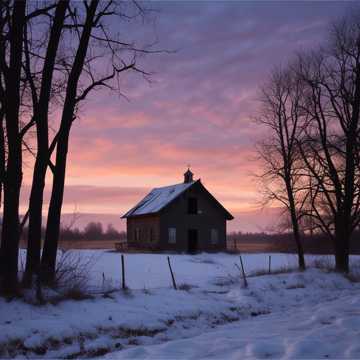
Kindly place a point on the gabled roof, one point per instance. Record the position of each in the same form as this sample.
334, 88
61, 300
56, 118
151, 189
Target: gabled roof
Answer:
159, 198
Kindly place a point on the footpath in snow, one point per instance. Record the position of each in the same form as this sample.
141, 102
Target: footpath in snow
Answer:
291, 315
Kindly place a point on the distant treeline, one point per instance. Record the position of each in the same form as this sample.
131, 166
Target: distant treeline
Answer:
315, 243
92, 231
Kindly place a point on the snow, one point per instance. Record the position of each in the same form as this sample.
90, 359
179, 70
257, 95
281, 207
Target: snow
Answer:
151, 270
316, 331
326, 326
158, 198
311, 314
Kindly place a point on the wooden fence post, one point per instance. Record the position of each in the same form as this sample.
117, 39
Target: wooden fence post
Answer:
269, 264
172, 274
123, 271
243, 272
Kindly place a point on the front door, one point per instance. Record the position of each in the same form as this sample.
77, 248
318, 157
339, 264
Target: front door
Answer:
192, 240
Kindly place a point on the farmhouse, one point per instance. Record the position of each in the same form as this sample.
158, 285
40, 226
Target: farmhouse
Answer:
181, 217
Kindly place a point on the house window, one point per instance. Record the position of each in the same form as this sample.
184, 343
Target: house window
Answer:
137, 234
214, 236
192, 206
172, 235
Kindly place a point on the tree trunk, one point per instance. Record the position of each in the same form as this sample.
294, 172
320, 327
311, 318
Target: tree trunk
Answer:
2, 156
343, 223
295, 223
300, 249
35, 222
2, 105
341, 242
342, 255
48, 260
12, 182
42, 156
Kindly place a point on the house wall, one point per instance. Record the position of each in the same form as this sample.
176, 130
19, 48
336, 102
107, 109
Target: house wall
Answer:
209, 216
143, 232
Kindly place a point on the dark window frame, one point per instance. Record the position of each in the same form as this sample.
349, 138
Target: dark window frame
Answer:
192, 208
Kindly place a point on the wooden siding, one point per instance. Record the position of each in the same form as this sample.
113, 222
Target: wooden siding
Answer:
209, 217
144, 232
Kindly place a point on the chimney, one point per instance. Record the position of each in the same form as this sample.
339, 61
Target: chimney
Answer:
188, 176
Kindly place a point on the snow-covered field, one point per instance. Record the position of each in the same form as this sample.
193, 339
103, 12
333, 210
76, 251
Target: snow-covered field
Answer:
313, 314
152, 271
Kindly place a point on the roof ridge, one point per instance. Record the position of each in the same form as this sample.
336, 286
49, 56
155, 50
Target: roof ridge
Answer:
182, 183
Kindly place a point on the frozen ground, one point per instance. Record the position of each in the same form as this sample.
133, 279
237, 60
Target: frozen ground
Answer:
295, 315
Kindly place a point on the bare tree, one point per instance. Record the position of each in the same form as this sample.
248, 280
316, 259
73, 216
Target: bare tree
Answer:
41, 111
281, 179
93, 40
17, 112
64, 61
11, 65
331, 77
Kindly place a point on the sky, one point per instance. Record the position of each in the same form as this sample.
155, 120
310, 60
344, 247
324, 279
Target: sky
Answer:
198, 108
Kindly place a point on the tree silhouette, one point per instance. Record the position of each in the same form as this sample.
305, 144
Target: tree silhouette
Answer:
281, 180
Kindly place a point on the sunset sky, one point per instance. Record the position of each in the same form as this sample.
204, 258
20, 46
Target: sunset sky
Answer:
197, 109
